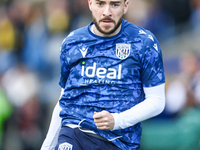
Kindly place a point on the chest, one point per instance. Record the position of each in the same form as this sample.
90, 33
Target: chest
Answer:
101, 63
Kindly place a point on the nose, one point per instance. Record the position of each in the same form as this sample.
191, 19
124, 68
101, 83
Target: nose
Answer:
107, 11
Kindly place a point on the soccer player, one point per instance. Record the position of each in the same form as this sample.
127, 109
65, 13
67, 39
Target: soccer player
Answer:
112, 78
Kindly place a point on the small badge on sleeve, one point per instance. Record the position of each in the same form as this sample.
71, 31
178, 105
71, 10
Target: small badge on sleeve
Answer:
65, 146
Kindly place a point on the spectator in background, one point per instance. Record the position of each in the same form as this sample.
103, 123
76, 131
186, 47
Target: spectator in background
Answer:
165, 18
5, 112
181, 130
80, 15
195, 17
160, 21
7, 41
23, 131
183, 92
23, 31
35, 36
58, 20
180, 11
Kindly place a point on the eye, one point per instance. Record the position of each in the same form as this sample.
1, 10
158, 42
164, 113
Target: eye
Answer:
115, 4
99, 3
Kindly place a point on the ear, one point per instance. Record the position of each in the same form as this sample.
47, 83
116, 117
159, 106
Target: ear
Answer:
90, 4
126, 6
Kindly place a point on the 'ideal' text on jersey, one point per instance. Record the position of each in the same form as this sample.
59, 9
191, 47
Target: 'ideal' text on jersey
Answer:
91, 71
110, 73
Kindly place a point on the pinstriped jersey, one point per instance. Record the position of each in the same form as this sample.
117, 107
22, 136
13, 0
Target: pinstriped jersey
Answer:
108, 73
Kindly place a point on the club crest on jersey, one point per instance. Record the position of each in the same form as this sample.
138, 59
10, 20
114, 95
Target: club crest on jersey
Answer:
65, 146
123, 50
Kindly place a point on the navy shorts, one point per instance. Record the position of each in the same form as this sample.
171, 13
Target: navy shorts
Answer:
75, 139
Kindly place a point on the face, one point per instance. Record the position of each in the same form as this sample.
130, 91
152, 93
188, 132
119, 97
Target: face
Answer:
107, 15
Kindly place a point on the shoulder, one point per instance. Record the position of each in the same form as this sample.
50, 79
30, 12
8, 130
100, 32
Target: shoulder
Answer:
74, 37
138, 32
144, 36
76, 34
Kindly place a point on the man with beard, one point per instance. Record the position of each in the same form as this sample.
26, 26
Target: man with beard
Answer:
112, 78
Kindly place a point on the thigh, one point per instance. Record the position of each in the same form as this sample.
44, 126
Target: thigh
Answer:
67, 140
74, 139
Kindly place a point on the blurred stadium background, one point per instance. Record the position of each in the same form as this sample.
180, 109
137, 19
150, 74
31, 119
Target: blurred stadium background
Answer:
31, 32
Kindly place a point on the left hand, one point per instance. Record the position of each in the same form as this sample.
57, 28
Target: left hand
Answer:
104, 120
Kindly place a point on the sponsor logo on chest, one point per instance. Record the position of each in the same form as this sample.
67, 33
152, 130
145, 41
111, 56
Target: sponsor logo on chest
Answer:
110, 73
100, 75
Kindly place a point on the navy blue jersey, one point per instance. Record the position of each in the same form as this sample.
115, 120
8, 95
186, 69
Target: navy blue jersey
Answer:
108, 73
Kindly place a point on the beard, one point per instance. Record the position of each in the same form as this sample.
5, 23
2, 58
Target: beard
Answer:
107, 19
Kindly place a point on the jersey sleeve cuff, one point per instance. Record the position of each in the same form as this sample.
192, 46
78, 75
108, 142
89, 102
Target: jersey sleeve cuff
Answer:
116, 118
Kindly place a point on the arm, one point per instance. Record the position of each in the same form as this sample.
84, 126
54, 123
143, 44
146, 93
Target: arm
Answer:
153, 105
54, 128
